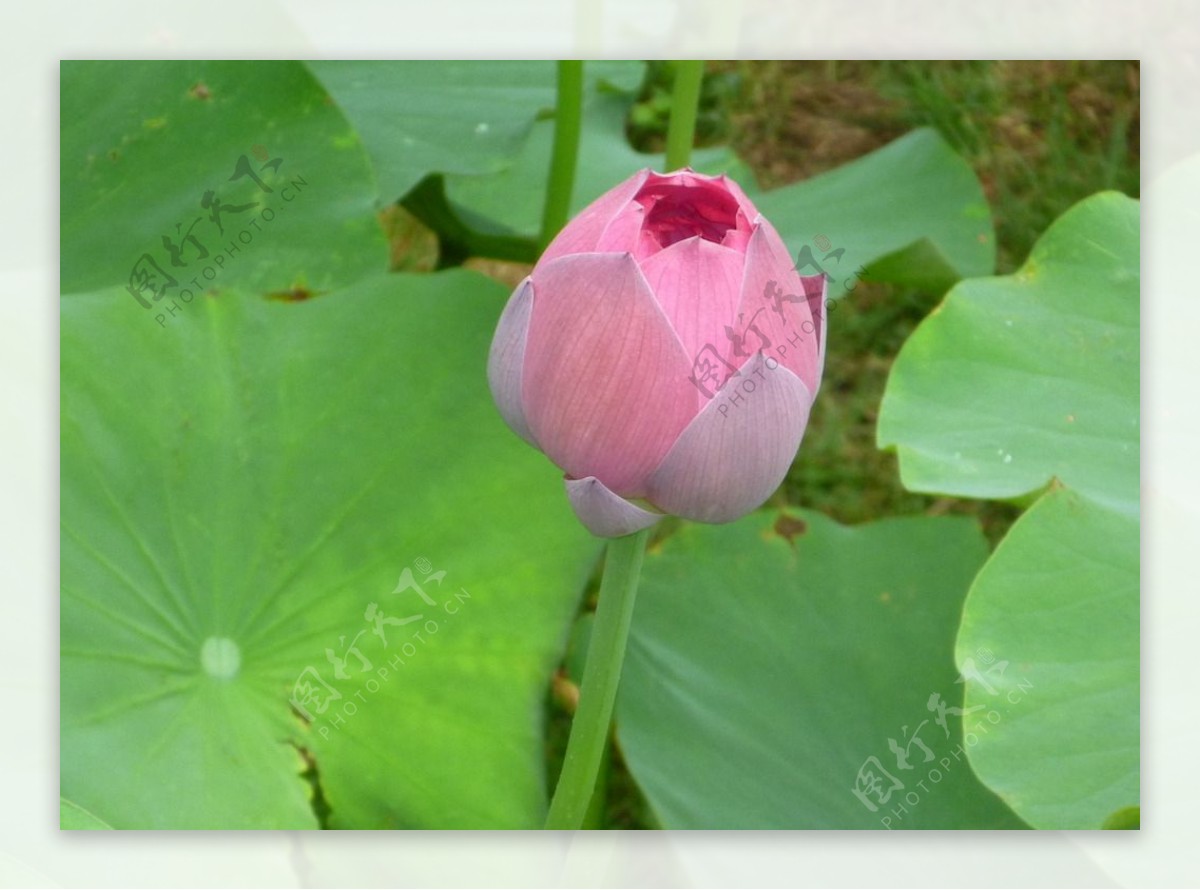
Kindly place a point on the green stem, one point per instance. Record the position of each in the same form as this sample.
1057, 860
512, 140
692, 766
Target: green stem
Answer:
685, 97
568, 121
598, 692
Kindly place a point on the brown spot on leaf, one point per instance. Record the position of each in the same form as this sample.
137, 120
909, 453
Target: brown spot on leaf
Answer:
790, 527
296, 294
200, 91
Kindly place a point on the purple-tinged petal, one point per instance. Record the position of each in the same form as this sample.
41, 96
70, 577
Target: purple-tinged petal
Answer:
582, 234
606, 381
738, 449
698, 284
774, 301
605, 514
506, 361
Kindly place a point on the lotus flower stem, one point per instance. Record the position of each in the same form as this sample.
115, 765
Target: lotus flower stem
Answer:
685, 97
684, 209
568, 122
598, 692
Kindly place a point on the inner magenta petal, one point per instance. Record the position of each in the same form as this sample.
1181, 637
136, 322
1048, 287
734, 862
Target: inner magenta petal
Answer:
686, 206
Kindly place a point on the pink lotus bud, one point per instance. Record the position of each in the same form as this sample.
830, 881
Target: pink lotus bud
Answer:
663, 351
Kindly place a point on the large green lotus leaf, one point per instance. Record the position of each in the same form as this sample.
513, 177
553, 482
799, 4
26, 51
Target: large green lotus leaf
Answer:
1016, 383
247, 498
464, 117
767, 679
1026, 377
144, 144
72, 817
1053, 704
512, 201
912, 213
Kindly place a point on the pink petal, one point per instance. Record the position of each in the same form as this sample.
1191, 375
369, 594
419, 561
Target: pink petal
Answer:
738, 449
605, 514
698, 284
738, 238
506, 360
776, 308
624, 231
582, 234
606, 389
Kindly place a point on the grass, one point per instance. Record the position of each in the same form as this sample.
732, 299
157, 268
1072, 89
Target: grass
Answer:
1040, 135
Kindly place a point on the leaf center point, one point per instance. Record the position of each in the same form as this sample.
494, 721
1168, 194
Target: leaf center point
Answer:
220, 657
